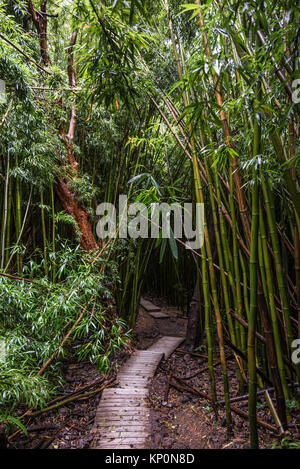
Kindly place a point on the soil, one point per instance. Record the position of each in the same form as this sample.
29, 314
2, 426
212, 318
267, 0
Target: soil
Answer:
182, 420
179, 419
69, 426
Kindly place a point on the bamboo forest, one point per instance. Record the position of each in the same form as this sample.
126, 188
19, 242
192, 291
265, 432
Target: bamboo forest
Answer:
149, 226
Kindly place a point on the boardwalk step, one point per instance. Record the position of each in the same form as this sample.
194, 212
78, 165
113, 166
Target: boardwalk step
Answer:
159, 315
119, 392
148, 306
166, 345
122, 418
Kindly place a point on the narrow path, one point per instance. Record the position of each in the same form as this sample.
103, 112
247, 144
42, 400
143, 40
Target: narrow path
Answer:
122, 418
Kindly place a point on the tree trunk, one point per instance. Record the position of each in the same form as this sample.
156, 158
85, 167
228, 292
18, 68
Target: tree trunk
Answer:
78, 212
193, 328
39, 19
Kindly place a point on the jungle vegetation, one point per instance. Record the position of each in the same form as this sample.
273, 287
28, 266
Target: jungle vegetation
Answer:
164, 101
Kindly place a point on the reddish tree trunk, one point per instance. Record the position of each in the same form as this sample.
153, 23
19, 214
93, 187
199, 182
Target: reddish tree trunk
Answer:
39, 19
78, 212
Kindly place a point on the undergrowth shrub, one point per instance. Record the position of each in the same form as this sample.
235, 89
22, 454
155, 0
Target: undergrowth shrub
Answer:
35, 317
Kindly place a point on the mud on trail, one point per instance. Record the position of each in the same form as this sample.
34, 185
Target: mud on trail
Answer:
179, 419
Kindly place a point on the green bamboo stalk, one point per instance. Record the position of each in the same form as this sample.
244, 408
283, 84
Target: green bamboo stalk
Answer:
18, 221
44, 234
53, 233
4, 223
270, 210
271, 302
8, 228
253, 290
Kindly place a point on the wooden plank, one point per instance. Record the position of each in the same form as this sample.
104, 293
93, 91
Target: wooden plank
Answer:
121, 410
148, 306
138, 366
128, 385
124, 384
159, 315
116, 412
125, 440
122, 434
123, 398
140, 363
115, 431
135, 374
122, 402
119, 417
119, 392
122, 416
167, 345
119, 402
139, 371
138, 379
143, 363
112, 446
120, 446
144, 359
124, 426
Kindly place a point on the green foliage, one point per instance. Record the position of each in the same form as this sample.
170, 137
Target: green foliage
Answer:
260, 405
286, 443
22, 386
35, 317
293, 404
12, 423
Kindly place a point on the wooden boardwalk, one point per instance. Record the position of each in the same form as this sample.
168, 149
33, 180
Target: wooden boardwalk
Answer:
152, 309
148, 306
122, 418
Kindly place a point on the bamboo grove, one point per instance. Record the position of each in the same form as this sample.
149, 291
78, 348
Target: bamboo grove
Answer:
166, 102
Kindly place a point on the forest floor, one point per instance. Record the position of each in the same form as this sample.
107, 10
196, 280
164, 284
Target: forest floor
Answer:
69, 426
179, 419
